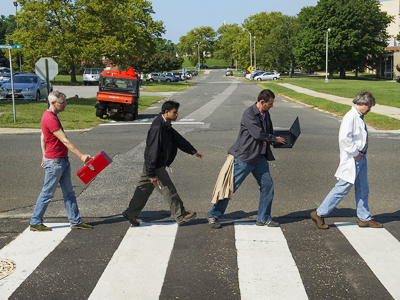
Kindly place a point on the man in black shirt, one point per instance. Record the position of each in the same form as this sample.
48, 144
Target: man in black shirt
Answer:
162, 145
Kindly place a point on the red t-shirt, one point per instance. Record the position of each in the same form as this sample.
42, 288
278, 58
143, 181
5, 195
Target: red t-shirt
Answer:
54, 147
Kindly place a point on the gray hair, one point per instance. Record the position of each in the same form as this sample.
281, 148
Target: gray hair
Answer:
56, 96
364, 98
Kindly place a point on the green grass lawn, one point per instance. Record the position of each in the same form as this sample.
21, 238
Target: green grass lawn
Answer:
66, 80
374, 120
79, 113
155, 86
385, 92
210, 62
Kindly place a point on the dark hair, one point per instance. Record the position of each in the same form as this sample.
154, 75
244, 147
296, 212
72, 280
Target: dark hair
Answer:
265, 95
169, 105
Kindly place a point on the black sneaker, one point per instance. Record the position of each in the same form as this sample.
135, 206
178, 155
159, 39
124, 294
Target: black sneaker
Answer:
132, 220
187, 216
213, 222
269, 224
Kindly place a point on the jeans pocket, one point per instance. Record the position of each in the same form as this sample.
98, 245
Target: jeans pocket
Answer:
52, 166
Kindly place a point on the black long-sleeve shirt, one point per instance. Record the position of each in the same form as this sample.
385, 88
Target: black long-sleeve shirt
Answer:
162, 145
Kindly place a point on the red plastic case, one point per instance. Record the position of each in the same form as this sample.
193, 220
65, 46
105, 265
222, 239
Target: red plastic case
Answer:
94, 167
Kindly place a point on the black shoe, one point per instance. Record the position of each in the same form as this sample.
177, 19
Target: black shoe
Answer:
132, 220
214, 224
186, 217
269, 224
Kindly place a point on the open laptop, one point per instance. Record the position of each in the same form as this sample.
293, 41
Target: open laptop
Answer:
290, 135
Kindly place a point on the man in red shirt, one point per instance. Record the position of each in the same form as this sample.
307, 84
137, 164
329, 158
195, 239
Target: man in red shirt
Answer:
55, 146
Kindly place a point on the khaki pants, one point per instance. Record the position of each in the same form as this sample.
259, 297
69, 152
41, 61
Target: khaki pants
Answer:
144, 189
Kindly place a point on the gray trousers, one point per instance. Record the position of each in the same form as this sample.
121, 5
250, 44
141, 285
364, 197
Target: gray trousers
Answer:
144, 189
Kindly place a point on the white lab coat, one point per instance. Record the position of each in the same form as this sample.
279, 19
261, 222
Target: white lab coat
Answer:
352, 139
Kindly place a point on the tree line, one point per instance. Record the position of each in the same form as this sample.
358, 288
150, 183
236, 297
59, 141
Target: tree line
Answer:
357, 38
91, 32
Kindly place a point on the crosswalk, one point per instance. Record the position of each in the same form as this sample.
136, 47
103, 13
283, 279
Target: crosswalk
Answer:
137, 268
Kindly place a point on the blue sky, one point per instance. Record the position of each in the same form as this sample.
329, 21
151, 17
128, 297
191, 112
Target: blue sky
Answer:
180, 16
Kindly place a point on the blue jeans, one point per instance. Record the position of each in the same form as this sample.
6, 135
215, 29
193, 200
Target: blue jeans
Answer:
342, 188
58, 170
264, 180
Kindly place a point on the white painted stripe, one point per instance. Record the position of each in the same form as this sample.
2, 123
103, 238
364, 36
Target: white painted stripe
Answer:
267, 269
380, 250
137, 268
208, 108
149, 123
27, 251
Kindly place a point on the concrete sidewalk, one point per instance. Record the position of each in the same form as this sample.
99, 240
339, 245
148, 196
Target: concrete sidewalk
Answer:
389, 111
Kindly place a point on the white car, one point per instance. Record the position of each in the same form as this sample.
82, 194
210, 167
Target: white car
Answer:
91, 75
268, 76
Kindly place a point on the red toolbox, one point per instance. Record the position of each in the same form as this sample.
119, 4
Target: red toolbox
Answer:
94, 167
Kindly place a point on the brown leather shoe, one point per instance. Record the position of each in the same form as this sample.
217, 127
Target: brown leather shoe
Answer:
318, 220
370, 223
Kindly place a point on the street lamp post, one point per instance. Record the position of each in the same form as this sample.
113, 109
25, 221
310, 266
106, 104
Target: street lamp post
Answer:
255, 61
16, 10
251, 60
198, 52
326, 69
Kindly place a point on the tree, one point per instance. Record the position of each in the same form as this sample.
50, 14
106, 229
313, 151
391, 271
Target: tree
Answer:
162, 45
204, 35
279, 45
261, 26
160, 62
7, 27
358, 34
226, 46
4, 62
86, 31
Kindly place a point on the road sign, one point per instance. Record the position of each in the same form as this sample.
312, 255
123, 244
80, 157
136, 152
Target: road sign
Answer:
40, 68
10, 46
184, 70
250, 69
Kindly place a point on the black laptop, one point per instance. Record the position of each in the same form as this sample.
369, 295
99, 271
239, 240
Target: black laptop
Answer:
290, 135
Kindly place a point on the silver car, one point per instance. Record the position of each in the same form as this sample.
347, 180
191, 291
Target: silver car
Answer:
160, 77
26, 86
268, 76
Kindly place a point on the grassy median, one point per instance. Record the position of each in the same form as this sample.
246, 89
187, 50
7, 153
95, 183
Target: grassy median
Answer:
383, 91
79, 113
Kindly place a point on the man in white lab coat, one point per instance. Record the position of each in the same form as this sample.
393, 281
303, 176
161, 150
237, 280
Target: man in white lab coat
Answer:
353, 144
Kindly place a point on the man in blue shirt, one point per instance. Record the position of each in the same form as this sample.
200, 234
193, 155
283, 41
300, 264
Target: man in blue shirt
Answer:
252, 153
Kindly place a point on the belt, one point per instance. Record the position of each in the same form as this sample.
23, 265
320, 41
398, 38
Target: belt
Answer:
363, 152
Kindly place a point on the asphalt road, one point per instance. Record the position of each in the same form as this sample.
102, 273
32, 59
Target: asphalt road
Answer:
201, 262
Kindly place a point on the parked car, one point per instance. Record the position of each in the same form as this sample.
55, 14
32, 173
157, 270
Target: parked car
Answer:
247, 75
268, 76
91, 75
193, 73
5, 77
202, 66
228, 73
398, 79
174, 74
256, 73
160, 77
26, 86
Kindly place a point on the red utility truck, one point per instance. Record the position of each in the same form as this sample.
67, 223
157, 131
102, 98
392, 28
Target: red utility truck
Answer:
118, 94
